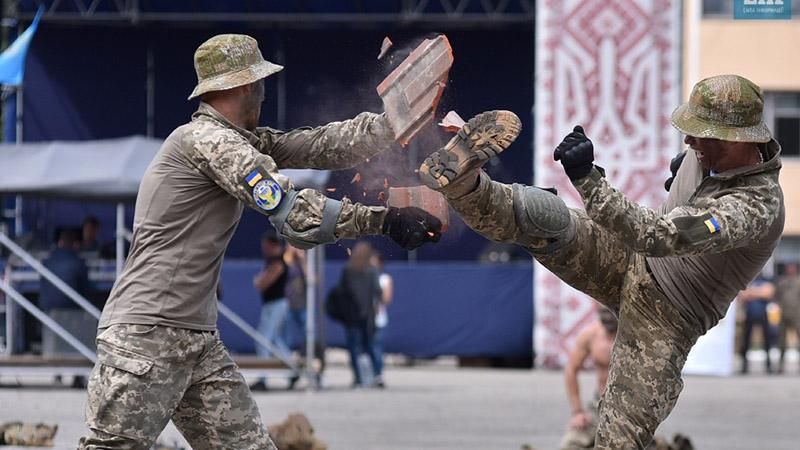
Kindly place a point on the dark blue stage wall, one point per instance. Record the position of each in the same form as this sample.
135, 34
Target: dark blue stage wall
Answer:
439, 309
89, 82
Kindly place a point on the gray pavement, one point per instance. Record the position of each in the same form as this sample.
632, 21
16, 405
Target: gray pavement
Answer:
447, 408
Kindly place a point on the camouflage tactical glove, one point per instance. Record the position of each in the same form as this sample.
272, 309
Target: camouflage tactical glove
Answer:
411, 227
576, 154
674, 165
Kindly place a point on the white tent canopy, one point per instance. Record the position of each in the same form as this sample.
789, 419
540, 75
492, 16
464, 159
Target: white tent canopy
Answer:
108, 169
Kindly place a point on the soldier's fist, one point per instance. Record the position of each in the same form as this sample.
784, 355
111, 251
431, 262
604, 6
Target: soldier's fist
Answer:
576, 154
674, 165
411, 227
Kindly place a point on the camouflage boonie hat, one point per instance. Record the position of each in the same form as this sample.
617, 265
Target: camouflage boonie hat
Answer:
725, 107
227, 61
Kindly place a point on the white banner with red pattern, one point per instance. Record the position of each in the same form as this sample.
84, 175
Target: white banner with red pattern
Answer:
612, 66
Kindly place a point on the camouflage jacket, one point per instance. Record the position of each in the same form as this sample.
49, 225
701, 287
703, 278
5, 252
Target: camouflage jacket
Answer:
710, 238
192, 196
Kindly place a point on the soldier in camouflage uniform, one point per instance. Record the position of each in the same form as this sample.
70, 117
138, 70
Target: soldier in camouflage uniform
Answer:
159, 355
668, 273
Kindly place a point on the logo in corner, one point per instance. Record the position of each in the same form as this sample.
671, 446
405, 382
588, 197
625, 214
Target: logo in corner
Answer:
267, 194
762, 9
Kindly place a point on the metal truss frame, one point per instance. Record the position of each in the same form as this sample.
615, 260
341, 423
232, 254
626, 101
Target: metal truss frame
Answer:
442, 13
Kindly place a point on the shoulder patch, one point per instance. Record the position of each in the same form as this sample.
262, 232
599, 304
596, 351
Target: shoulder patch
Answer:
697, 229
267, 194
712, 225
254, 177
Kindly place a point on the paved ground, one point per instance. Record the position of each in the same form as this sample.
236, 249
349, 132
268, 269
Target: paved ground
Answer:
447, 408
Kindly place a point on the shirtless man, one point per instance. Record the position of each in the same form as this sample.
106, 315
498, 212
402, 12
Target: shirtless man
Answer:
594, 343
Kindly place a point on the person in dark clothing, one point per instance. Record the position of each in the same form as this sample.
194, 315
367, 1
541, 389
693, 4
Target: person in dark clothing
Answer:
361, 286
755, 300
90, 235
67, 265
271, 285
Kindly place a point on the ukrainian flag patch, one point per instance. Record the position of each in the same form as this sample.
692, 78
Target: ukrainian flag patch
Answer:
712, 225
254, 177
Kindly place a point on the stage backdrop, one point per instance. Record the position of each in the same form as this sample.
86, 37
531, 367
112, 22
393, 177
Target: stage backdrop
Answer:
612, 66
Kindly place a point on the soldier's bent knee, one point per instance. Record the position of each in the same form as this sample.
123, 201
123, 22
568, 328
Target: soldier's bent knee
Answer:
541, 214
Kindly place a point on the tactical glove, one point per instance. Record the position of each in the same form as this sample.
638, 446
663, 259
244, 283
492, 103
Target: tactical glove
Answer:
411, 227
674, 165
576, 154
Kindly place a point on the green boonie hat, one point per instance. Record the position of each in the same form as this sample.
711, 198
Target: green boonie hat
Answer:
725, 107
227, 61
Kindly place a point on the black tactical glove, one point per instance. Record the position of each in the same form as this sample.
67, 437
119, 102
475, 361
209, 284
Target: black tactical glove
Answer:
411, 227
576, 154
674, 165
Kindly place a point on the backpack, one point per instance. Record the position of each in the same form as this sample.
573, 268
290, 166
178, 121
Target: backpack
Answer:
335, 303
342, 305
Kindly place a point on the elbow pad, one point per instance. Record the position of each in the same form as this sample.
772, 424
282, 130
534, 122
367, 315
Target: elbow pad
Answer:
323, 234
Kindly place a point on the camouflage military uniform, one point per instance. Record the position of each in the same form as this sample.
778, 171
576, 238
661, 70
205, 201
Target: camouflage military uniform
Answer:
668, 274
159, 353
788, 297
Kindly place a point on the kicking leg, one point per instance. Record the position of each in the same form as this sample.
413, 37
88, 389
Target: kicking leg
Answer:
565, 241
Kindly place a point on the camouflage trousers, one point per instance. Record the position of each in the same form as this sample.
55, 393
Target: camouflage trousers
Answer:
146, 375
653, 339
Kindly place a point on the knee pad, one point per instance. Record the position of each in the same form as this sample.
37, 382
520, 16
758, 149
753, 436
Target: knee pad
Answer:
540, 213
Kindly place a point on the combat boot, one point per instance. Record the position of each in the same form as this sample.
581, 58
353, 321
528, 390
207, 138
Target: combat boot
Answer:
453, 169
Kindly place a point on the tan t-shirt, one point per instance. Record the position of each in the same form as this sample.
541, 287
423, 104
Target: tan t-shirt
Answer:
191, 199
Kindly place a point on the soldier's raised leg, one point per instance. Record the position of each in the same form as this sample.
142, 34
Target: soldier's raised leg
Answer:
564, 240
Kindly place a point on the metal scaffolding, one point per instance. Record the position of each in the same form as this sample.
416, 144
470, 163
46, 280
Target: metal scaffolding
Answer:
296, 14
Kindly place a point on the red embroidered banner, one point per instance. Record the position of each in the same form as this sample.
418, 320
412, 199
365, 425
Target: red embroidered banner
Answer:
612, 66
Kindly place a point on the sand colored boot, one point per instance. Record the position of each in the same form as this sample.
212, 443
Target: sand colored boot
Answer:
453, 169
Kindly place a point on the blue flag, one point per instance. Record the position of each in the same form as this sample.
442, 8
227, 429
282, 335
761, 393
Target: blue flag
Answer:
12, 61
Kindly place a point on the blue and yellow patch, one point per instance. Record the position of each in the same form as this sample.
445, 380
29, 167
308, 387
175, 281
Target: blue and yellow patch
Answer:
254, 177
267, 194
712, 225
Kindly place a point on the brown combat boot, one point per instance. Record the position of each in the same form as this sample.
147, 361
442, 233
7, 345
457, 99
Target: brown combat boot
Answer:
453, 169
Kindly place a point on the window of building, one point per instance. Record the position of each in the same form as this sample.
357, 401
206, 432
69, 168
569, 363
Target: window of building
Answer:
782, 114
715, 8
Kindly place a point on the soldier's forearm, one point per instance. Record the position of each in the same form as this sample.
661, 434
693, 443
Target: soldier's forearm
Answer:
573, 391
358, 220
308, 222
641, 228
337, 145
